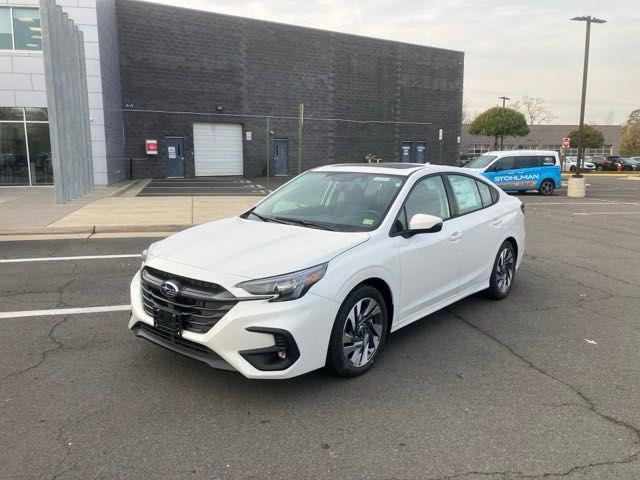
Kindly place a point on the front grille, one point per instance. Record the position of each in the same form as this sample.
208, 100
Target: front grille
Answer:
180, 345
199, 304
179, 342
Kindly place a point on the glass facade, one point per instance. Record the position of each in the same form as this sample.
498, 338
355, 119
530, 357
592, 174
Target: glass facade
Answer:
20, 29
25, 149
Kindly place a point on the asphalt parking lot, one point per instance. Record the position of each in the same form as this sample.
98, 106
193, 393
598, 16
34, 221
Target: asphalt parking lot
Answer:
544, 384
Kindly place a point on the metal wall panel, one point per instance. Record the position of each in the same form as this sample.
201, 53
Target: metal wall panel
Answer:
67, 99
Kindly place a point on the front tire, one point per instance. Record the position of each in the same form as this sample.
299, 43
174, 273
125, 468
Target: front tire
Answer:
503, 273
547, 187
359, 332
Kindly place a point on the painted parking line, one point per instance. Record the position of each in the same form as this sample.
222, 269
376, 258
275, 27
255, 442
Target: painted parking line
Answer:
606, 213
63, 259
65, 311
568, 204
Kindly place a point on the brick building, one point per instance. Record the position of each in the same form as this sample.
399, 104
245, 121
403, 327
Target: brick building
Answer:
221, 94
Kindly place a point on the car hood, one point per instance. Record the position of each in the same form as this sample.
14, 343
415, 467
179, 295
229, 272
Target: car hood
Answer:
254, 249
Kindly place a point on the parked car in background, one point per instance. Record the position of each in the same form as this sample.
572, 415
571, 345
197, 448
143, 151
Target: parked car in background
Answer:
629, 164
570, 164
608, 162
520, 170
322, 270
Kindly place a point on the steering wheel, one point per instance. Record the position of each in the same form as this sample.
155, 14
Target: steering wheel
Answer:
371, 214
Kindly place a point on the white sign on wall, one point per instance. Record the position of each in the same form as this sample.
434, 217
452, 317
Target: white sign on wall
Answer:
171, 150
248, 136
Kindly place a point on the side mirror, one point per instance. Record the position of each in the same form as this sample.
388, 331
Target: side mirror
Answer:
422, 223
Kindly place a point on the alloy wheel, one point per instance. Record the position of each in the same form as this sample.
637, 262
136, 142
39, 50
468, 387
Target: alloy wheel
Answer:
362, 332
505, 269
546, 188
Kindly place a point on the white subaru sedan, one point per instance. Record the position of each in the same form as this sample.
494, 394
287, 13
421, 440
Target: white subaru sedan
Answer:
322, 270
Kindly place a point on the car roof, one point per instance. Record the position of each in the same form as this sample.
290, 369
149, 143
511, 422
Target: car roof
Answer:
521, 152
389, 168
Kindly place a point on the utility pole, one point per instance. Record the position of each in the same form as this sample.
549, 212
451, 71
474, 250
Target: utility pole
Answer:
300, 123
589, 19
504, 103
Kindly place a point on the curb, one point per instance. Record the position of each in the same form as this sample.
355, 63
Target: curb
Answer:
90, 230
139, 228
610, 175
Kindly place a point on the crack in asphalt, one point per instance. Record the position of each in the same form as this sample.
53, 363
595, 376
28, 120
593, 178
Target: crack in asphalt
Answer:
588, 403
67, 448
43, 355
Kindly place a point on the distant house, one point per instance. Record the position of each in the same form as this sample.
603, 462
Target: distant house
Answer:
541, 137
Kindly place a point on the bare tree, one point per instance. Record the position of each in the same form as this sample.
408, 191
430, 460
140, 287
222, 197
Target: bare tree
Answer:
467, 115
534, 110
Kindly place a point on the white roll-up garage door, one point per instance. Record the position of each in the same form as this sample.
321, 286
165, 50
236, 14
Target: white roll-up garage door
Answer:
217, 148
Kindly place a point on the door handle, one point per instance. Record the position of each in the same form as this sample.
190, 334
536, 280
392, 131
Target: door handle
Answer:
455, 237
497, 223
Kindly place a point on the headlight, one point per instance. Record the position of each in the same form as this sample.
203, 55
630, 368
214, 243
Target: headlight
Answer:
286, 287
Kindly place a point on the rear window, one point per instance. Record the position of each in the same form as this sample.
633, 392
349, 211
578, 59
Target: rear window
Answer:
466, 193
485, 193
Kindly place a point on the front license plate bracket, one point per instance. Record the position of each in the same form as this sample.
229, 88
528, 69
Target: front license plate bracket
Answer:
167, 321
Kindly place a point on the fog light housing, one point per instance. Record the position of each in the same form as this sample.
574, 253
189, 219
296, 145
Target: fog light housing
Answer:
282, 355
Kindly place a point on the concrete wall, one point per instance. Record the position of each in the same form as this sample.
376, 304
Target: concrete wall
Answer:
181, 60
66, 81
22, 72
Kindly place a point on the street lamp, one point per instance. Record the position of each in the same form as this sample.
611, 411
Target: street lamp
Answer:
504, 102
589, 19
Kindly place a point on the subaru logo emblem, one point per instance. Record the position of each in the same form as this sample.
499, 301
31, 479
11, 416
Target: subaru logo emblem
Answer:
170, 288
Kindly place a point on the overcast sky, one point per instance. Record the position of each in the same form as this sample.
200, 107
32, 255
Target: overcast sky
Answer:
511, 48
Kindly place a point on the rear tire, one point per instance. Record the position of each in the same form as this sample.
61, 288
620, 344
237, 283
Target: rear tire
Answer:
359, 332
572, 169
547, 187
503, 273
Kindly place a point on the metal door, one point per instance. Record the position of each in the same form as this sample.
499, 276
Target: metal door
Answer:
175, 156
421, 152
405, 152
281, 156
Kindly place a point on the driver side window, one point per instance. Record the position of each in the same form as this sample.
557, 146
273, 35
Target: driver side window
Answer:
427, 197
504, 163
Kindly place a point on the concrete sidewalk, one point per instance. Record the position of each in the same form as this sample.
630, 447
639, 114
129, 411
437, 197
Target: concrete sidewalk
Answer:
121, 214
35, 207
33, 211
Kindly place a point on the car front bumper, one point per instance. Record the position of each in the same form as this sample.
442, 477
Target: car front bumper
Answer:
248, 332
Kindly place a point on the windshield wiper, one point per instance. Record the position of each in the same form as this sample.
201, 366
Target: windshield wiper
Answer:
265, 218
304, 223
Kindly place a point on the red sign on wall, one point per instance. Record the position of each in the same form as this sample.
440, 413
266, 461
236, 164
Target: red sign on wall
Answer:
151, 147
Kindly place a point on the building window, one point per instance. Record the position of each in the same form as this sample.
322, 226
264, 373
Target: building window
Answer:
20, 29
478, 149
25, 148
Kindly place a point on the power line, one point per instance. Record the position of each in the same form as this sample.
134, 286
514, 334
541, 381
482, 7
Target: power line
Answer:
280, 117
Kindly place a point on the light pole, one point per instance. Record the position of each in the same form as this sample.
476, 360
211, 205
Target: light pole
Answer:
504, 102
589, 19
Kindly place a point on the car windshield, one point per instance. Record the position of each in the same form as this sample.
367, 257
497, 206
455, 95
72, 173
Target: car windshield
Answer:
341, 201
481, 161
